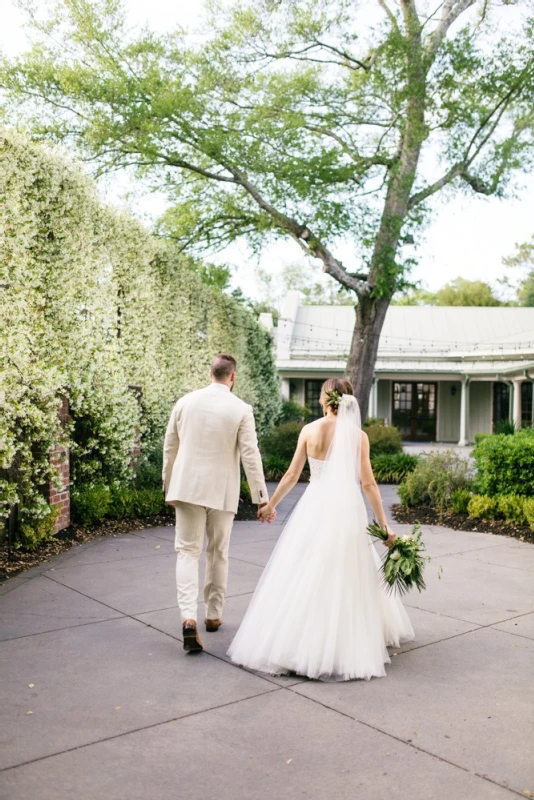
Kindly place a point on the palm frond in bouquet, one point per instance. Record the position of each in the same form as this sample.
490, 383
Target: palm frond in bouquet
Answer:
404, 564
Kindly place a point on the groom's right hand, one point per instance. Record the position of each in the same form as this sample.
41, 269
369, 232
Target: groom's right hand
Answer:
263, 515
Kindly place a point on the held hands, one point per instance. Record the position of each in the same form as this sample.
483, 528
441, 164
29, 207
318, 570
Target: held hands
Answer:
266, 512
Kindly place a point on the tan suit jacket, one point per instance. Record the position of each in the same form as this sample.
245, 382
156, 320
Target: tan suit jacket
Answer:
209, 430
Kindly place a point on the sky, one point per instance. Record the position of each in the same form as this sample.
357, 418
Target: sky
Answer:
467, 235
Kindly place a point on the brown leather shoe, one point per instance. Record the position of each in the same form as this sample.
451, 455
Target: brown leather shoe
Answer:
213, 625
192, 643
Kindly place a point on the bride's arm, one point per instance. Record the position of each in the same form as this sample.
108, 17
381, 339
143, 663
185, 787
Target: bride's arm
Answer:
372, 492
290, 478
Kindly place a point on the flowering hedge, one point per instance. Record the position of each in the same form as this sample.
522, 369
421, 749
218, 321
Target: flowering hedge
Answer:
92, 305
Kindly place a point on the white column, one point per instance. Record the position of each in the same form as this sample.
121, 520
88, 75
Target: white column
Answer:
285, 388
374, 398
517, 402
464, 412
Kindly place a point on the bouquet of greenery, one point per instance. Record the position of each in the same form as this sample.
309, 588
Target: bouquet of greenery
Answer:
404, 564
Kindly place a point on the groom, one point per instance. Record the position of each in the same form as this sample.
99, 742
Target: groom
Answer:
209, 430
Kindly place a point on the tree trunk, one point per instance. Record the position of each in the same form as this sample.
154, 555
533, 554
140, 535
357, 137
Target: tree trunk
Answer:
370, 315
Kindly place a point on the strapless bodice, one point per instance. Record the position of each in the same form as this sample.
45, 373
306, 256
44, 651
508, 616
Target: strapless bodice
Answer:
316, 467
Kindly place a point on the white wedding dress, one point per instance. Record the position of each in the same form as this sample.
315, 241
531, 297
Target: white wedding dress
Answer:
320, 608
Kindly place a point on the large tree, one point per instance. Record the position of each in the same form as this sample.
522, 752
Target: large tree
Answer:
523, 259
327, 121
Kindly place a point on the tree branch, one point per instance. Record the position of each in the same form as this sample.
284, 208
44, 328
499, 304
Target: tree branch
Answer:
450, 12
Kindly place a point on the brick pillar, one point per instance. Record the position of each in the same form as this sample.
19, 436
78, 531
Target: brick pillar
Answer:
59, 496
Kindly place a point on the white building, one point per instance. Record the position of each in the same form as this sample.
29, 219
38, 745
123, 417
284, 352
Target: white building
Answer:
442, 374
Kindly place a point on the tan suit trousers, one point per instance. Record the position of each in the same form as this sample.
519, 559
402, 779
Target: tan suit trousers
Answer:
192, 522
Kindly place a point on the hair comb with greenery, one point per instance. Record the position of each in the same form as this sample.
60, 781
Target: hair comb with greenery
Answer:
333, 398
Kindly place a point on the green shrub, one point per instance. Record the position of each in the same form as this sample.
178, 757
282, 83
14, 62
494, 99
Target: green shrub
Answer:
528, 511
434, 480
460, 500
483, 507
92, 504
122, 502
505, 464
148, 473
281, 441
33, 533
245, 489
383, 439
505, 427
293, 412
275, 466
511, 508
150, 503
480, 436
89, 504
373, 421
392, 468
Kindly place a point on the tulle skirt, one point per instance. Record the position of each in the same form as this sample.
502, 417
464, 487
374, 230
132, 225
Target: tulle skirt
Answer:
320, 609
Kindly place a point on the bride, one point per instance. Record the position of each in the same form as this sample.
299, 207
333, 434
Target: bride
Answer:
320, 608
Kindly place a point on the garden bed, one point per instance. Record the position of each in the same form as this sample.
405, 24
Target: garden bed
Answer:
22, 560
427, 515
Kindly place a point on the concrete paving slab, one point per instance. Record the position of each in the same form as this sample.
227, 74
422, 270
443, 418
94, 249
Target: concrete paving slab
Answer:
275, 746
253, 552
40, 605
446, 541
135, 585
506, 555
474, 591
13, 583
101, 680
430, 628
521, 626
116, 548
163, 532
464, 700
216, 644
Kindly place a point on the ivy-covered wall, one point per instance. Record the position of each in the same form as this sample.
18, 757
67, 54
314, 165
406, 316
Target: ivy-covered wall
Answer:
91, 304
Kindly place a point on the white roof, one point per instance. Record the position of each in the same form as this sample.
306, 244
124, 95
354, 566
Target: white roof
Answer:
414, 338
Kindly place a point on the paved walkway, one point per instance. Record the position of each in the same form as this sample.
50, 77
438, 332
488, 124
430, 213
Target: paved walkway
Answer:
99, 702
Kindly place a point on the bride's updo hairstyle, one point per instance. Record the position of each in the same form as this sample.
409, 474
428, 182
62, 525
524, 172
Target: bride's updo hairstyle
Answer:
331, 392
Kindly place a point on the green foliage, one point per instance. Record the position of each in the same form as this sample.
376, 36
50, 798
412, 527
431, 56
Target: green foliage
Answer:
94, 306
484, 507
34, 533
281, 441
149, 468
461, 292
89, 504
383, 439
460, 501
505, 464
245, 149
510, 506
434, 480
275, 466
392, 468
293, 412
505, 427
528, 511
93, 504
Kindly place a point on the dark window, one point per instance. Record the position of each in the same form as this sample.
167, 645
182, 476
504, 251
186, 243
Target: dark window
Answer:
313, 392
414, 410
526, 404
501, 402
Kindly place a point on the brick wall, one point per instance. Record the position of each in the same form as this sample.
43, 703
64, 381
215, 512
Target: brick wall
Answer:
59, 496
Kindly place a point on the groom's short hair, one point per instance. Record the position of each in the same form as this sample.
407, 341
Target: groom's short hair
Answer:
222, 366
